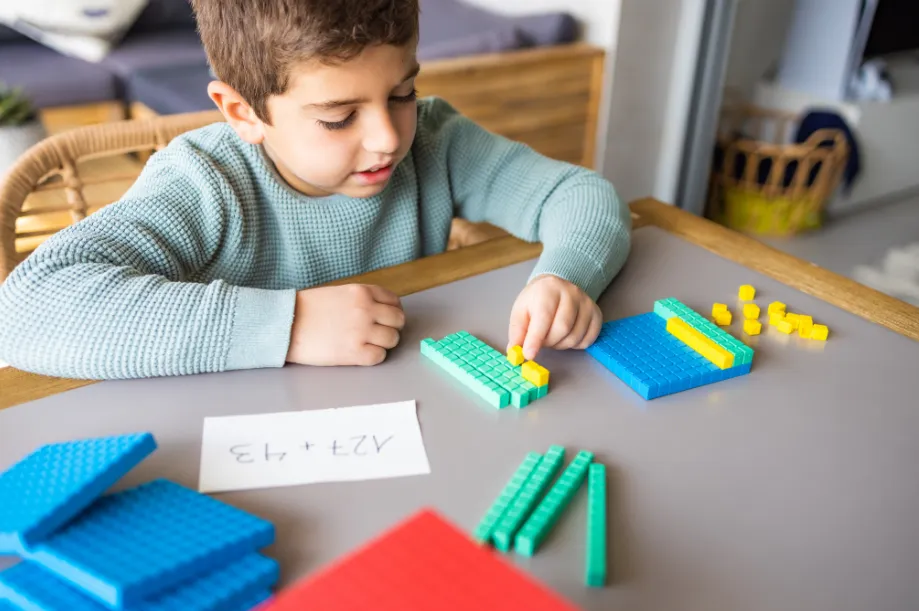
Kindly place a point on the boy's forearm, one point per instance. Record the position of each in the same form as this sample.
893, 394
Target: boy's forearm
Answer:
101, 322
586, 233
584, 227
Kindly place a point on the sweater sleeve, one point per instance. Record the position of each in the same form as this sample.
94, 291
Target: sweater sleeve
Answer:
117, 295
584, 227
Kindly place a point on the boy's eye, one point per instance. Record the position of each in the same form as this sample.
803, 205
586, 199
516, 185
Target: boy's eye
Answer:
411, 97
334, 125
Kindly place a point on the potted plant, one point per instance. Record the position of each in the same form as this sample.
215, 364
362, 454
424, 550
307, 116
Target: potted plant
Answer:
20, 128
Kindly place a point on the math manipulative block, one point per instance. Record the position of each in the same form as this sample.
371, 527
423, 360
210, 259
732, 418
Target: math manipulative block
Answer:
30, 586
57, 481
139, 542
494, 514
485, 371
424, 564
534, 373
751, 311
520, 508
752, 327
705, 346
552, 505
820, 332
595, 565
654, 363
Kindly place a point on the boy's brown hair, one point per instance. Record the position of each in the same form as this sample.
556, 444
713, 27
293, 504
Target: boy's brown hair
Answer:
252, 45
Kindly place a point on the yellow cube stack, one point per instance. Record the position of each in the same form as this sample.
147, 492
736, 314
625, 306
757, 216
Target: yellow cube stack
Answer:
789, 322
721, 314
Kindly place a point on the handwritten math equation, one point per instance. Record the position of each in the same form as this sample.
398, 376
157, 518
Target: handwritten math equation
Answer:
353, 446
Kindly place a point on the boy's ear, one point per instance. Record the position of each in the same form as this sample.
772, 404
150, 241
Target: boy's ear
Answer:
237, 112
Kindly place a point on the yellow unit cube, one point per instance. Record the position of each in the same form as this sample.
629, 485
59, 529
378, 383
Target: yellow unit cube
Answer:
819, 332
776, 306
719, 307
751, 311
752, 327
515, 355
746, 293
723, 318
785, 327
776, 317
805, 324
534, 373
793, 319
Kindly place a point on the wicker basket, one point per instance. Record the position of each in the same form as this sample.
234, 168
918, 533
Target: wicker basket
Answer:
765, 184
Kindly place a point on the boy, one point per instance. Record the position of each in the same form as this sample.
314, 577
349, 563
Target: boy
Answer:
326, 166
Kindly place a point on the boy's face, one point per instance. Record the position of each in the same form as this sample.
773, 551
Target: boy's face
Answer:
343, 128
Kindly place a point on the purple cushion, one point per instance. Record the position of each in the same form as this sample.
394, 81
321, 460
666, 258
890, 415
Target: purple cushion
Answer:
151, 50
171, 90
547, 29
451, 28
52, 79
165, 15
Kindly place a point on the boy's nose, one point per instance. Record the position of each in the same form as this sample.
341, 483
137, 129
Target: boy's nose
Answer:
382, 137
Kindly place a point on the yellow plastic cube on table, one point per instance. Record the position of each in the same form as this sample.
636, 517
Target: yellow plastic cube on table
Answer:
819, 332
776, 306
805, 324
515, 355
723, 318
717, 308
746, 293
535, 374
785, 327
751, 311
776, 317
752, 327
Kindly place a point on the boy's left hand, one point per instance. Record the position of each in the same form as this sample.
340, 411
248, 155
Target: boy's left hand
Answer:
553, 313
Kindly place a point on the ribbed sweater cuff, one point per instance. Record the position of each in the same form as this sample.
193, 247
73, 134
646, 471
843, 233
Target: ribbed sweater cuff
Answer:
261, 328
575, 267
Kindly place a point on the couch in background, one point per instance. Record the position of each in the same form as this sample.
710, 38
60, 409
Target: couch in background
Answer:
161, 66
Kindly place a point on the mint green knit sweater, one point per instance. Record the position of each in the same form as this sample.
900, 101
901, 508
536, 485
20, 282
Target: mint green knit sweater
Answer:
195, 269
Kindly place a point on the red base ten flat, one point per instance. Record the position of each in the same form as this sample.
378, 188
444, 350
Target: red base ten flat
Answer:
422, 563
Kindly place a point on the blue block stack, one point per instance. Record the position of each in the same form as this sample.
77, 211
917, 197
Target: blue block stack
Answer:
157, 547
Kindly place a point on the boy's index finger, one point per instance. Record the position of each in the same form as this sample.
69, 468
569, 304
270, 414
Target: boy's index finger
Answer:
536, 333
517, 328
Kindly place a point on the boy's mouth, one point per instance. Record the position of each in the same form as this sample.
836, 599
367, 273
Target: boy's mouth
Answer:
376, 174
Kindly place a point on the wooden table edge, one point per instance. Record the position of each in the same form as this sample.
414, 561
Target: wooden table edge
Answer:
807, 277
429, 272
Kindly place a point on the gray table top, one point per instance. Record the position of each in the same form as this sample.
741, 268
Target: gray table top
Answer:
789, 488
